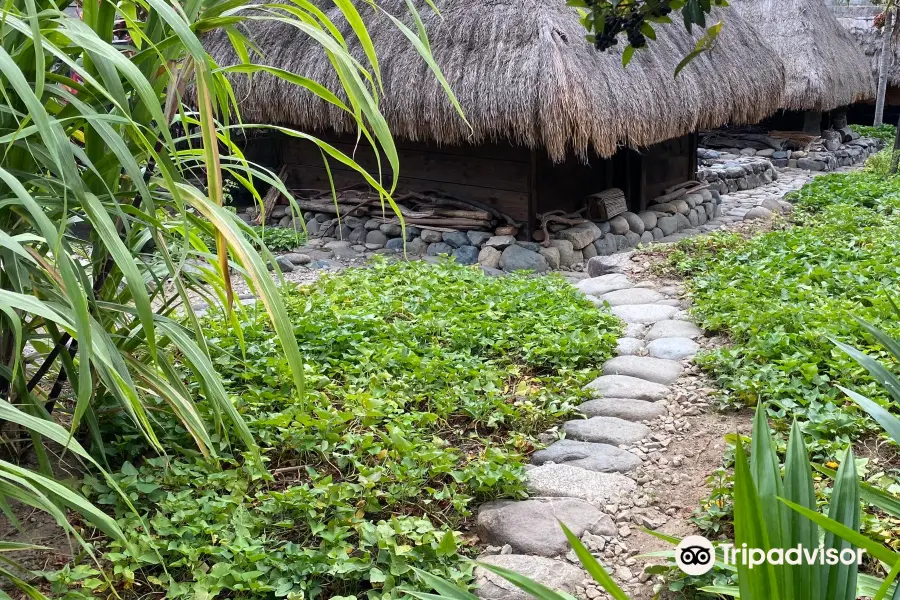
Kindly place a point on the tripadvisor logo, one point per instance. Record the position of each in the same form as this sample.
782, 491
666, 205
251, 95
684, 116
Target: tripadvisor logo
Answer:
695, 555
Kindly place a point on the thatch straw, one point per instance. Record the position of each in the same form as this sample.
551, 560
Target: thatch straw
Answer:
825, 67
858, 20
524, 73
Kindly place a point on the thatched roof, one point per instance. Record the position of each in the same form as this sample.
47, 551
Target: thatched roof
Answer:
858, 20
825, 67
523, 72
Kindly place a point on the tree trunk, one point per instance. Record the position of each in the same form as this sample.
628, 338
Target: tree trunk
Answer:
895, 151
886, 34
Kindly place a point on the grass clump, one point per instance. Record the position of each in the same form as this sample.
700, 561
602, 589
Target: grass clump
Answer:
426, 385
781, 296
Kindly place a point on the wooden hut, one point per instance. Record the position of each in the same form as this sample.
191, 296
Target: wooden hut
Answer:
553, 119
858, 17
825, 68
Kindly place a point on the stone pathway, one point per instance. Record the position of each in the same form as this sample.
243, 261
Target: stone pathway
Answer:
590, 480
602, 479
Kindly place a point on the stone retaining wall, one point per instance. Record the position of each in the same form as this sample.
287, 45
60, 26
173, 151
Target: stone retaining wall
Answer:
730, 176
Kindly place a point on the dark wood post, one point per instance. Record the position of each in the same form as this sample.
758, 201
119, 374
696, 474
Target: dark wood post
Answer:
531, 226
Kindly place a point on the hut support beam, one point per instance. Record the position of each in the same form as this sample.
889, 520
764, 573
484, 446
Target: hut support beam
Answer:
531, 226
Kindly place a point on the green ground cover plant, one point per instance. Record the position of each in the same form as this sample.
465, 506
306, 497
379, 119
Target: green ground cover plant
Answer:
782, 295
425, 384
885, 132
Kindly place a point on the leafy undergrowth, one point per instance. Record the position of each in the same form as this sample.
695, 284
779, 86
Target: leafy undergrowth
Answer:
425, 385
884, 132
781, 296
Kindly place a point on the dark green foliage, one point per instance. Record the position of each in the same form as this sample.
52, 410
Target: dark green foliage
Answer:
885, 133
781, 295
426, 383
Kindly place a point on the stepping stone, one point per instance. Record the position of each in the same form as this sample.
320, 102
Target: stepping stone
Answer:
565, 481
532, 526
673, 348
657, 370
597, 286
644, 313
633, 330
555, 574
622, 386
634, 295
602, 458
606, 430
673, 328
622, 408
628, 345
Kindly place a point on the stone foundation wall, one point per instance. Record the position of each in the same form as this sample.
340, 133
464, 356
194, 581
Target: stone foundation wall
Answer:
730, 176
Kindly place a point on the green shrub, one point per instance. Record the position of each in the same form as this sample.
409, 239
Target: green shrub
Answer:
426, 382
781, 295
885, 133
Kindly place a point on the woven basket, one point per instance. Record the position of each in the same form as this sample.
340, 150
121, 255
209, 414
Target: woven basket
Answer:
606, 204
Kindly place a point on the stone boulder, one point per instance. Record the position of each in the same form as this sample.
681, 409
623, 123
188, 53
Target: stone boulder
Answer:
532, 526
517, 258
580, 235
554, 574
489, 257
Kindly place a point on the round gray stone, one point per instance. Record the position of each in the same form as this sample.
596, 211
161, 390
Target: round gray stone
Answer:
432, 237
532, 526
606, 430
673, 328
597, 286
618, 225
629, 346
644, 313
602, 458
623, 386
635, 223
554, 574
622, 408
632, 296
649, 218
517, 258
438, 248
657, 370
466, 255
673, 348
376, 236
573, 482
456, 239
758, 214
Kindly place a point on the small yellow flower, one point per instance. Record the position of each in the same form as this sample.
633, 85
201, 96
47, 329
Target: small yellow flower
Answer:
831, 465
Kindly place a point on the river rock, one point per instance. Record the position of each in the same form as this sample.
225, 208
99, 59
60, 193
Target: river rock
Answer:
649, 219
478, 238
673, 348
456, 239
438, 248
607, 244
606, 430
657, 370
623, 386
635, 223
532, 526
376, 236
668, 225
758, 213
632, 296
489, 257
597, 286
431, 236
554, 574
566, 252
626, 346
500, 242
602, 458
580, 235
466, 255
517, 258
673, 328
552, 256
644, 313
618, 225
566, 481
622, 408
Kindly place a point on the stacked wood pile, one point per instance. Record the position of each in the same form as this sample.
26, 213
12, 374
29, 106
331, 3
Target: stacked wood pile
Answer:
425, 211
